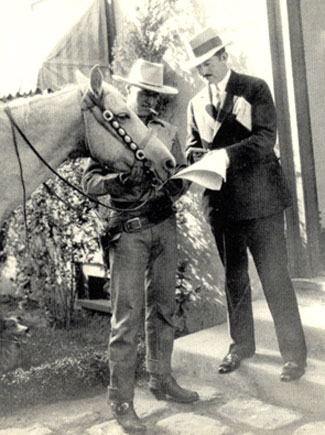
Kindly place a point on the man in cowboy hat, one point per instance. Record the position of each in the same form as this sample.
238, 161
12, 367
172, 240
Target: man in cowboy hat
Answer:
142, 257
234, 116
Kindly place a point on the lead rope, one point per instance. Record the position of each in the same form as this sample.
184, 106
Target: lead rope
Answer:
21, 172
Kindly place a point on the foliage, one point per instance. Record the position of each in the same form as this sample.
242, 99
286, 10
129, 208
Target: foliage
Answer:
183, 295
58, 364
154, 35
57, 234
70, 377
145, 38
3, 238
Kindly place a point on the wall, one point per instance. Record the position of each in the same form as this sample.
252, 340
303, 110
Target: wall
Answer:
313, 21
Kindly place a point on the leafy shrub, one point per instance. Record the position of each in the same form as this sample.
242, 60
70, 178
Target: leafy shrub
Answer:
57, 234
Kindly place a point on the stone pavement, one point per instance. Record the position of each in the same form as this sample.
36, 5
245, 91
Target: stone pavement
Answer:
250, 401
219, 412
201, 353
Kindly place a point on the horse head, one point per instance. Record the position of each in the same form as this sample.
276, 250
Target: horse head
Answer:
105, 110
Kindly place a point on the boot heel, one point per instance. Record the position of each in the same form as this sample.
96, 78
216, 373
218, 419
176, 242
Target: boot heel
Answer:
159, 395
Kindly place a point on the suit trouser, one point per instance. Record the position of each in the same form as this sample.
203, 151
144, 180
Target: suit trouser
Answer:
265, 238
143, 273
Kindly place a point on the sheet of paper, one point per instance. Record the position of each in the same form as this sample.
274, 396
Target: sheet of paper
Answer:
209, 172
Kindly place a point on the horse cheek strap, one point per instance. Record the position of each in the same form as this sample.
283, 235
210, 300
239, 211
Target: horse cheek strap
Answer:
139, 153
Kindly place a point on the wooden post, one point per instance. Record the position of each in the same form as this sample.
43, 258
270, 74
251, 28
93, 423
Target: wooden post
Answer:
305, 135
298, 261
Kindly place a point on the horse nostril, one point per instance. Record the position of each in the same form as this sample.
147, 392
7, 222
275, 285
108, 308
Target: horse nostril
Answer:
170, 164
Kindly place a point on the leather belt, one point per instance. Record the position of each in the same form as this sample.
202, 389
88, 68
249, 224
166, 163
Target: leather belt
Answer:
137, 224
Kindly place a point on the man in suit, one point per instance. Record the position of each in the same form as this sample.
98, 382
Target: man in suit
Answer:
142, 256
234, 116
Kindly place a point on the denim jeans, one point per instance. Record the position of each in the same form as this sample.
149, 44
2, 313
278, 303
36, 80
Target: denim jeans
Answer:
143, 274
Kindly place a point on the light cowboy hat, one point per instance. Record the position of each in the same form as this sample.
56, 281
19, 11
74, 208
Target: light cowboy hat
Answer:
147, 75
203, 46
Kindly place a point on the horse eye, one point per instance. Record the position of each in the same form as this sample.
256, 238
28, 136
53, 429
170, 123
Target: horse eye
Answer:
123, 116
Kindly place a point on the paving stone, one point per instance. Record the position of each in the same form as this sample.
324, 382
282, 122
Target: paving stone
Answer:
31, 430
315, 428
205, 391
82, 418
258, 414
108, 427
192, 424
146, 405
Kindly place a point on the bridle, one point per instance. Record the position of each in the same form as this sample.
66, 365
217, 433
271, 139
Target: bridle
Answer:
112, 125
109, 121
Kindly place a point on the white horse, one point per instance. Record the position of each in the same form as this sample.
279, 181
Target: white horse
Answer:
89, 119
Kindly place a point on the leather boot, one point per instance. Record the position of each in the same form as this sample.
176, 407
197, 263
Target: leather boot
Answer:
162, 386
125, 415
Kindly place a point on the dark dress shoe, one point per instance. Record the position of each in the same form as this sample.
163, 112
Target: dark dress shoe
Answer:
232, 361
292, 371
125, 415
162, 386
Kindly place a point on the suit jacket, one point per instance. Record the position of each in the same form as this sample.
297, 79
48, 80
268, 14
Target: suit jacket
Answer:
246, 127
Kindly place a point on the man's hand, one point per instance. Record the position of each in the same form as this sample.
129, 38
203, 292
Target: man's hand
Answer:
196, 154
136, 176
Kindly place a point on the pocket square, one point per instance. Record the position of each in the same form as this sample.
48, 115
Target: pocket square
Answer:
243, 112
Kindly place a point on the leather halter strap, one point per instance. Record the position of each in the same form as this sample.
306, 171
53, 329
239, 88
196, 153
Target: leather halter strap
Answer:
108, 120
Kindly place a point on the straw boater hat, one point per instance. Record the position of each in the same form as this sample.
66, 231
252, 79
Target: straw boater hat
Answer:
147, 75
203, 46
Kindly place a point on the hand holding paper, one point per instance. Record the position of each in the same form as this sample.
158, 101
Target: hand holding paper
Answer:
209, 172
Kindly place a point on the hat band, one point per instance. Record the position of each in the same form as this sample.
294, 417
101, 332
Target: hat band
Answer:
150, 84
207, 46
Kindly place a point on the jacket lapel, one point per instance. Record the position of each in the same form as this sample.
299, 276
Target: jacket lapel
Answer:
209, 108
210, 121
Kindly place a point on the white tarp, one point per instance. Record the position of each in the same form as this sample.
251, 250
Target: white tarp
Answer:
86, 44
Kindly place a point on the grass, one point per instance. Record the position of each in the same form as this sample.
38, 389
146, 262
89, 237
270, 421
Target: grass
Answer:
58, 364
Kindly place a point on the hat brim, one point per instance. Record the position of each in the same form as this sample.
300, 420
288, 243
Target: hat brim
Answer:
167, 90
196, 61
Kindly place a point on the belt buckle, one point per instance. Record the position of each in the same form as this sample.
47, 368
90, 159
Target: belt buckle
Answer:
132, 224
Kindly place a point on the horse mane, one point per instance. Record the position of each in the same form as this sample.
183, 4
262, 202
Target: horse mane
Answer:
38, 93
22, 101
32, 93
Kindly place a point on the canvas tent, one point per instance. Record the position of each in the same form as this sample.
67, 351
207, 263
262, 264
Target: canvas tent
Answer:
86, 44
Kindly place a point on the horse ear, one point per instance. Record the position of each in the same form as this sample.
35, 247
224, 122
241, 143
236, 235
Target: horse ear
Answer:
96, 81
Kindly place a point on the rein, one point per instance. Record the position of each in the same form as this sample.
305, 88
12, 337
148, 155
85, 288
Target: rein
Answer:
95, 200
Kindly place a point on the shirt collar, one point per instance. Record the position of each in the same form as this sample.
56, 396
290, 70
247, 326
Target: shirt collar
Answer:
221, 86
